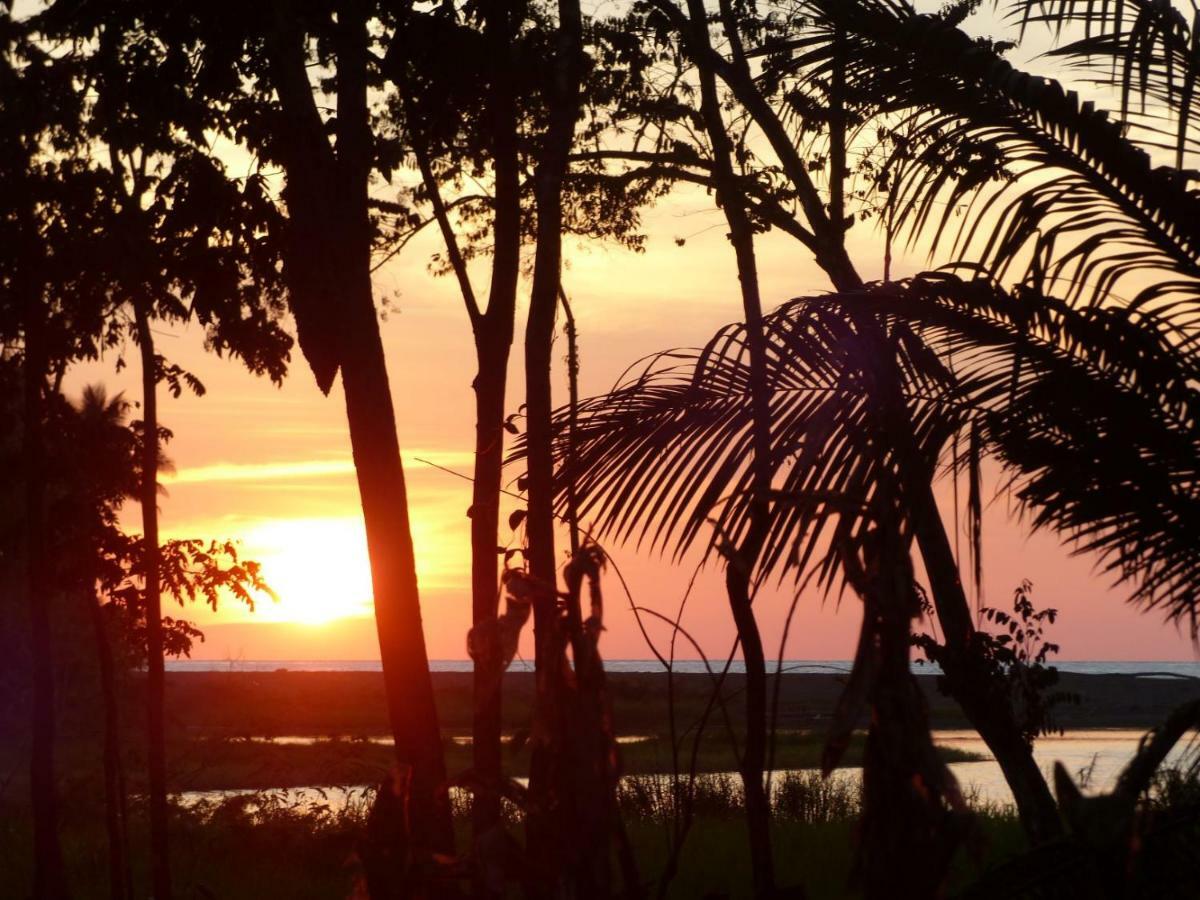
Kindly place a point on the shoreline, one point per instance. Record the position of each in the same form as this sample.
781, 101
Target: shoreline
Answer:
220, 724
280, 703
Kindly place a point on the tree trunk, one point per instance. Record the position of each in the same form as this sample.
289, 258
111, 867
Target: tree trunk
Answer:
489, 661
983, 699
907, 837
984, 702
551, 821
382, 490
160, 860
119, 886
493, 343
549, 815
741, 561
49, 882
974, 690
328, 268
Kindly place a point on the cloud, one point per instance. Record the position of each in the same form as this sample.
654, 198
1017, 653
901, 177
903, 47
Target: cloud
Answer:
306, 469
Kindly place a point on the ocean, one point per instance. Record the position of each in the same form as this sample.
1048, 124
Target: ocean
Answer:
1148, 668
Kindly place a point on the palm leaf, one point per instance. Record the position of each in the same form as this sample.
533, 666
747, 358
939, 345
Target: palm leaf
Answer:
1093, 417
1147, 48
1036, 178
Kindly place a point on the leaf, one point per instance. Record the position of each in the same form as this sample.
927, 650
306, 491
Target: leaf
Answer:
660, 460
516, 517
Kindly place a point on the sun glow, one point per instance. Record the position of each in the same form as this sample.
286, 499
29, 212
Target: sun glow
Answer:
320, 570
318, 567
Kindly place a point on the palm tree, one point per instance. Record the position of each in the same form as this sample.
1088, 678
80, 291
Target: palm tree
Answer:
1035, 170
102, 435
1044, 186
1019, 369
1092, 417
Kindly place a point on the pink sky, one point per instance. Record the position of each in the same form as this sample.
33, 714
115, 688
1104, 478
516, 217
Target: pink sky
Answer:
271, 467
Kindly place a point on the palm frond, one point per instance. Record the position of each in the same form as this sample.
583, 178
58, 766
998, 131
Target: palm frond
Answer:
1095, 419
1146, 49
1035, 177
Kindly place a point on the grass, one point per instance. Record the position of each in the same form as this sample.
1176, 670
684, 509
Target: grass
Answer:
263, 845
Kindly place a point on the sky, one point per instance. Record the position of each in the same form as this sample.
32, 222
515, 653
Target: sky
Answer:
271, 468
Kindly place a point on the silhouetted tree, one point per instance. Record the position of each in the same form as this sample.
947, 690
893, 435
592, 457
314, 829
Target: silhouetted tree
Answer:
101, 434
158, 230
95, 460
443, 109
487, 124
258, 79
1066, 399
848, 68
43, 216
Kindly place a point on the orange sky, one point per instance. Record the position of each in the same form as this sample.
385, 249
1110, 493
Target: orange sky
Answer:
271, 467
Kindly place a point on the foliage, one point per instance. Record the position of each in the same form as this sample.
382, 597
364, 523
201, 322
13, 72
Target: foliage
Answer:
191, 570
1143, 48
1016, 658
93, 467
1044, 186
1051, 390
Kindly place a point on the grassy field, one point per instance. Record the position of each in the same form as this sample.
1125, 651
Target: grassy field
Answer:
255, 847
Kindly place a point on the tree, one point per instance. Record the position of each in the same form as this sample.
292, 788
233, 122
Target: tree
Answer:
111, 448
156, 228
1066, 399
257, 76
446, 114
45, 217
847, 69
95, 464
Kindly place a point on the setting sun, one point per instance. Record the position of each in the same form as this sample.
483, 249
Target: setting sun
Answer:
320, 570
317, 567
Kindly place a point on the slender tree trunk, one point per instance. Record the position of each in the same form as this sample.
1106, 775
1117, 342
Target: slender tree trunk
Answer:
984, 701
742, 560
907, 836
547, 823
493, 343
489, 660
160, 860
982, 697
119, 887
572, 419
49, 882
328, 266
379, 466
550, 828
383, 493
492, 640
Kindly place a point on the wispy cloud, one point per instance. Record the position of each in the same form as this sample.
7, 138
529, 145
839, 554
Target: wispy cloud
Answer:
305, 469
269, 471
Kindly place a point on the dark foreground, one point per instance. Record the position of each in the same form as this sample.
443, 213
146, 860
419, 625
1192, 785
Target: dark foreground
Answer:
250, 848
219, 722
269, 845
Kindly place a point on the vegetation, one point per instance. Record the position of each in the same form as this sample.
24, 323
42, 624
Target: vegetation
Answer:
1054, 337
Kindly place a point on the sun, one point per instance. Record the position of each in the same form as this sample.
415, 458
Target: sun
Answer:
319, 568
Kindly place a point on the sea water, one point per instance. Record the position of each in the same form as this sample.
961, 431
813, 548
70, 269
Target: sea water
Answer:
1149, 668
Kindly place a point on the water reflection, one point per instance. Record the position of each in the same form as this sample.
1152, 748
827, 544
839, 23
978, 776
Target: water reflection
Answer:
460, 740
1094, 757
